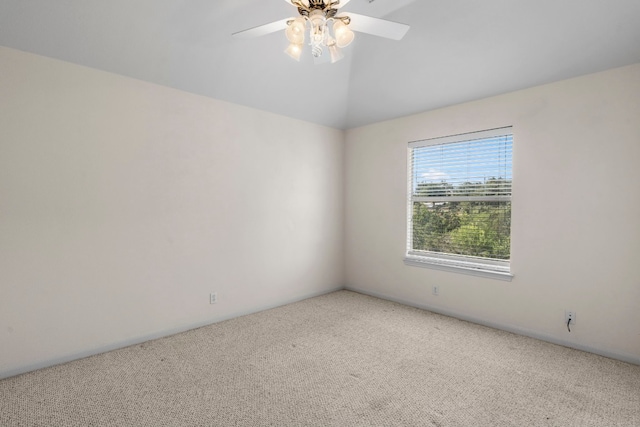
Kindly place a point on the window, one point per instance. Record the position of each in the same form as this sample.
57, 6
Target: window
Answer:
460, 203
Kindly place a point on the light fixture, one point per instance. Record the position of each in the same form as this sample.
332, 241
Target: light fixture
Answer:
295, 31
334, 51
294, 50
318, 20
320, 37
344, 36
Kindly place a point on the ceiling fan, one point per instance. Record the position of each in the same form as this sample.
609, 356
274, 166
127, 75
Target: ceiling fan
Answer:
326, 29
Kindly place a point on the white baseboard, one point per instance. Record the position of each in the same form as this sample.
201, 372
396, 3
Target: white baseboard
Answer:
168, 332
160, 334
509, 328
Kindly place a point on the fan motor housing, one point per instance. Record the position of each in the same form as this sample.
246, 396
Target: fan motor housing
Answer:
320, 5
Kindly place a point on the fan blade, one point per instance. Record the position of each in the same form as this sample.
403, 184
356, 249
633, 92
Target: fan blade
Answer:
262, 30
377, 27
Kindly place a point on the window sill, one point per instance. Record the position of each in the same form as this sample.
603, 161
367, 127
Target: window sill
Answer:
438, 264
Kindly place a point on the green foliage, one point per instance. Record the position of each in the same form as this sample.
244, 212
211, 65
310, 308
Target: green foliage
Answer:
478, 228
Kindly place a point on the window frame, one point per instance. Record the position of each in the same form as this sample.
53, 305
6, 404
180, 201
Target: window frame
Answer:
476, 266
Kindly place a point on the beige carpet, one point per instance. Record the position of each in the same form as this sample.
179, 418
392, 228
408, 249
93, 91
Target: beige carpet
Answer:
342, 359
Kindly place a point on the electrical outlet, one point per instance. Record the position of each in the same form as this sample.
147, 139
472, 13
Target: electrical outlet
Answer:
213, 298
435, 290
570, 315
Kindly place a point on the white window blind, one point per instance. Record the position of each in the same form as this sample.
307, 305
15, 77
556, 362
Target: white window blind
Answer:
460, 201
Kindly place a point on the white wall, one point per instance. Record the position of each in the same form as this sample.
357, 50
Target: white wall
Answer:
123, 204
576, 213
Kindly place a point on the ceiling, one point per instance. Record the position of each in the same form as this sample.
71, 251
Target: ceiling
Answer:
455, 51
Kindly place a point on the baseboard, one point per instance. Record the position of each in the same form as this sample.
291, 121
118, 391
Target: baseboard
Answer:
508, 328
172, 331
160, 334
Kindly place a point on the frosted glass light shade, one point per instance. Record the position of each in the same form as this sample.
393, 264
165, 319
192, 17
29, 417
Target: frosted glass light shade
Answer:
336, 53
295, 31
294, 50
344, 36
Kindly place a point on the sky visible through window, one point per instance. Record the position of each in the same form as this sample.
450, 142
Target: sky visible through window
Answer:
460, 163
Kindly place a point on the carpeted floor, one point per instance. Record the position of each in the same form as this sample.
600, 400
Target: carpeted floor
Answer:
342, 359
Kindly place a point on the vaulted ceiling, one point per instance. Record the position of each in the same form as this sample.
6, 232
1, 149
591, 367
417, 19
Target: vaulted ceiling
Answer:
455, 51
